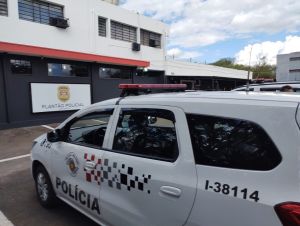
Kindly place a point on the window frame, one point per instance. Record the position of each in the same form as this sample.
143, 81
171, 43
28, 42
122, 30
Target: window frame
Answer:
115, 33
140, 107
21, 60
66, 128
43, 13
297, 58
103, 19
146, 35
133, 70
69, 64
188, 114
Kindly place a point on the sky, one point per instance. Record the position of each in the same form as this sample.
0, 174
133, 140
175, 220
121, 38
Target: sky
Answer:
208, 30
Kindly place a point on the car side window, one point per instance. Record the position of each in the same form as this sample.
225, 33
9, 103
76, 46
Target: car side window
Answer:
148, 133
90, 129
231, 143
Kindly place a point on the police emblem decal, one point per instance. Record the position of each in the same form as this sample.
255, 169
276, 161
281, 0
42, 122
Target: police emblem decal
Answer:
72, 163
63, 93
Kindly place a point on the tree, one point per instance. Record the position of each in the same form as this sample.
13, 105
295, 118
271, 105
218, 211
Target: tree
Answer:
260, 70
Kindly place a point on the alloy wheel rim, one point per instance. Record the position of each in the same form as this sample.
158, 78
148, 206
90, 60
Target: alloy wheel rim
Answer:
42, 187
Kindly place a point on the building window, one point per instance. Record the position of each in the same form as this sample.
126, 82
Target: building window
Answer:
67, 70
115, 73
294, 70
151, 39
39, 11
3, 8
295, 59
231, 143
102, 26
20, 66
123, 32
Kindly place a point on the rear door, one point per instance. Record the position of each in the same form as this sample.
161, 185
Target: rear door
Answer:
242, 174
149, 171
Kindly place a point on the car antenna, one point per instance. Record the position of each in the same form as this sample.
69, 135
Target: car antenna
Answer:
248, 76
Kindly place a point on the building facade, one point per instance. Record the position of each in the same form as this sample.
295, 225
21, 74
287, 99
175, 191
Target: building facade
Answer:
288, 67
57, 56
205, 77
52, 51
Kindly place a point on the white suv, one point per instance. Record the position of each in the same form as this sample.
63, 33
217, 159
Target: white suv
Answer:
189, 158
270, 87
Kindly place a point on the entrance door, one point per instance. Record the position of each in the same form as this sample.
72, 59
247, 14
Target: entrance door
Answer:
3, 118
151, 173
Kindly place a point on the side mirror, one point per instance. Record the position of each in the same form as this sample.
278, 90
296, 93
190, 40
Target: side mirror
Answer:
54, 136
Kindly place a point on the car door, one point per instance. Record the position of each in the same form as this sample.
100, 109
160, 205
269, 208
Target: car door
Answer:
149, 171
76, 161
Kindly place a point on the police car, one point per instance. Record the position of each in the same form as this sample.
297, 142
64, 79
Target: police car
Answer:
185, 158
271, 87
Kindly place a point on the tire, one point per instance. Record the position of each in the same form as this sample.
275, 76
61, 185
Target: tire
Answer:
44, 189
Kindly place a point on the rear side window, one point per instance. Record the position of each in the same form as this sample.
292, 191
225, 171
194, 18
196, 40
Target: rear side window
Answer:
231, 143
148, 133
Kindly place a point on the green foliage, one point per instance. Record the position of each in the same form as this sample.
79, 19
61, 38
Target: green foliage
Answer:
260, 70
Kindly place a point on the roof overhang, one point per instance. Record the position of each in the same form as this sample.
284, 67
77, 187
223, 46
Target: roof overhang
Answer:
68, 55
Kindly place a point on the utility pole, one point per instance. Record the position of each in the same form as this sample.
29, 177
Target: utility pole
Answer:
248, 77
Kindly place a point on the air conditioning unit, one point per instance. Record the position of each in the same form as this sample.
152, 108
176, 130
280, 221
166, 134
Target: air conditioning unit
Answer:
136, 46
59, 22
153, 43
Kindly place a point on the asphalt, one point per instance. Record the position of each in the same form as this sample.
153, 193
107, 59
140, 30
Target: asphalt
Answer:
18, 200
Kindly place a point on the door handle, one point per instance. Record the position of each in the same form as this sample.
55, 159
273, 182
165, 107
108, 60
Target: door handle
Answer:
171, 191
90, 165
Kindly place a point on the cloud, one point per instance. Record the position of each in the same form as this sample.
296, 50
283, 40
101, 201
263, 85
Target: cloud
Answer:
196, 23
182, 54
269, 50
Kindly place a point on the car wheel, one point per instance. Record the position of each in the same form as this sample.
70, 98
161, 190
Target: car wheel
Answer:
44, 189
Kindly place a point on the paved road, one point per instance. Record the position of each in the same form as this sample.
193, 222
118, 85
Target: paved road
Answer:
17, 195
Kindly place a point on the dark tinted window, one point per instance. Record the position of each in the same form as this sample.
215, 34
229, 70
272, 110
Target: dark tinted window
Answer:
244, 89
148, 133
123, 32
149, 38
231, 143
295, 58
90, 129
102, 26
3, 8
67, 70
273, 89
20, 66
110, 72
39, 11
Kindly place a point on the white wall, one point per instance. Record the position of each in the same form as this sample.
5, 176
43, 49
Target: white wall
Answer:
284, 65
82, 35
178, 68
116, 2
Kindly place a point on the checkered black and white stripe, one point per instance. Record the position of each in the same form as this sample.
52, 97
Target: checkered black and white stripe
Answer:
116, 175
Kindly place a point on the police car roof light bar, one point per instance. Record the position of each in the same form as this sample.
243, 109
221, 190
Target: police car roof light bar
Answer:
136, 89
